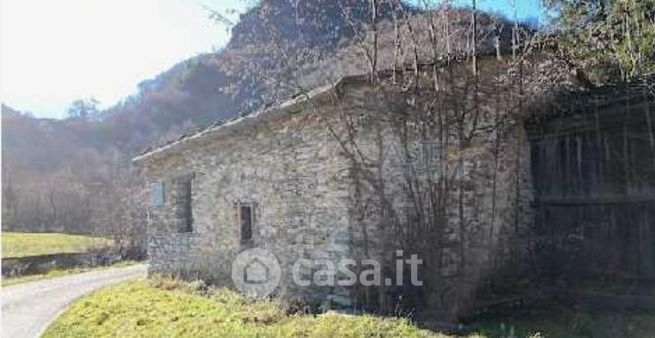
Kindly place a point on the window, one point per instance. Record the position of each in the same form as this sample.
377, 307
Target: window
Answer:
246, 219
181, 197
185, 204
157, 194
246, 223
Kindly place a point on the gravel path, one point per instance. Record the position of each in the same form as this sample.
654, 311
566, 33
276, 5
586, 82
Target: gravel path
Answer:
28, 309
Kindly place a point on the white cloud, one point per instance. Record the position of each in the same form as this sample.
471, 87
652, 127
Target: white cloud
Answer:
53, 52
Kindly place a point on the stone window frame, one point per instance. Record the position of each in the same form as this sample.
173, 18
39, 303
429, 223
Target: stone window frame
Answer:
238, 221
161, 201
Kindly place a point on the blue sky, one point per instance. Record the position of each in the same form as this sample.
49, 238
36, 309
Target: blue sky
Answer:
524, 8
54, 52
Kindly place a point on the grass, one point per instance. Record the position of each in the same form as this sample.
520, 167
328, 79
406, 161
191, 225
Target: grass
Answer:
162, 307
22, 244
571, 323
54, 273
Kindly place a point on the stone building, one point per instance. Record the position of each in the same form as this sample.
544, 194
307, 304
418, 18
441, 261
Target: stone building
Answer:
350, 171
435, 164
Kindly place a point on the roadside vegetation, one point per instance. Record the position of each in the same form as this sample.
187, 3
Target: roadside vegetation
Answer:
54, 273
22, 244
161, 307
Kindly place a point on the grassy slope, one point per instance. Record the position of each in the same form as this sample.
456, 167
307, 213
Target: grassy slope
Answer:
19, 244
164, 307
139, 309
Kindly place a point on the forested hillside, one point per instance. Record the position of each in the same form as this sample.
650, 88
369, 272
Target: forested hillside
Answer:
75, 174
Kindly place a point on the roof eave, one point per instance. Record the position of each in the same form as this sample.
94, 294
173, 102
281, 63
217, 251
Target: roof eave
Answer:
244, 121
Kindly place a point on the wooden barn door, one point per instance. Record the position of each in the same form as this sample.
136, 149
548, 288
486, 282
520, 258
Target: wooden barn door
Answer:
594, 176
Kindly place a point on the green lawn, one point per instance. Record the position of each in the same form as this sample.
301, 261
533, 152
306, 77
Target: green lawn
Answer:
54, 273
165, 308
21, 244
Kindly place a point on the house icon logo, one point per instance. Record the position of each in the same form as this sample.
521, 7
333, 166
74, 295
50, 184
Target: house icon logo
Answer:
256, 272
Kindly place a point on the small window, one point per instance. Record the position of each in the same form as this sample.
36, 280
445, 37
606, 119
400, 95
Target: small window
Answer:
157, 194
246, 223
186, 206
181, 199
246, 219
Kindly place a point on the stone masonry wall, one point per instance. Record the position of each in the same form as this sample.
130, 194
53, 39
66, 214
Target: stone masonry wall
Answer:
485, 207
288, 167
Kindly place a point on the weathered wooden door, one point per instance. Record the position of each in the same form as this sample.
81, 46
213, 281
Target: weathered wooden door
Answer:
594, 177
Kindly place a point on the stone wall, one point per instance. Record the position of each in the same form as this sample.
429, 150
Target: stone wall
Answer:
288, 167
29, 265
461, 205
